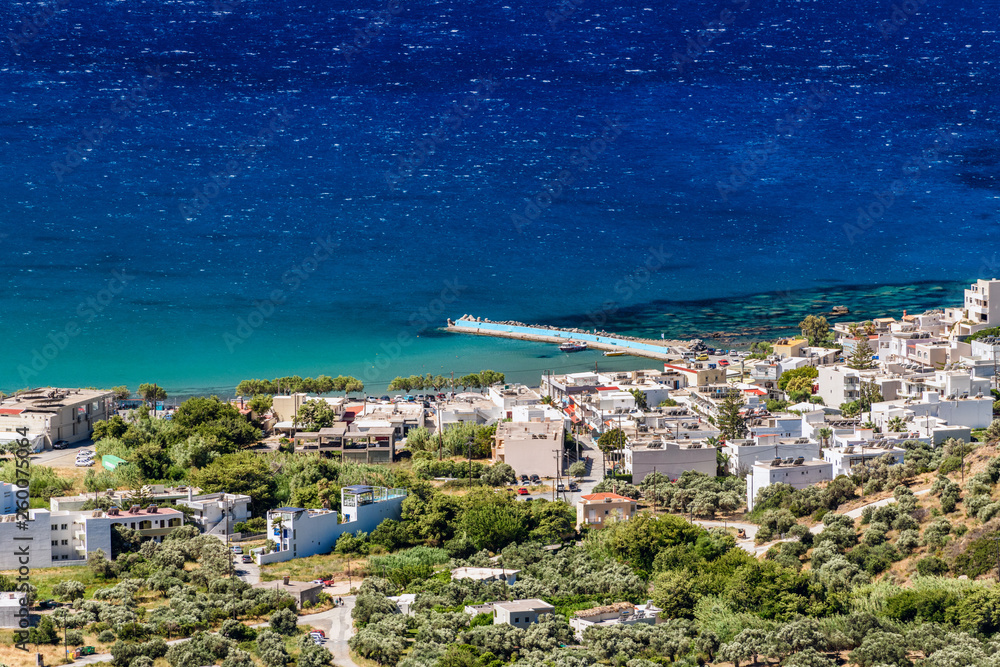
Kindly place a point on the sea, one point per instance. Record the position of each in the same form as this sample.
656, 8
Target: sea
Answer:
196, 192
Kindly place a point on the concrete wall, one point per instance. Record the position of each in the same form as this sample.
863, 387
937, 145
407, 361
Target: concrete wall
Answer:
671, 460
311, 535
39, 547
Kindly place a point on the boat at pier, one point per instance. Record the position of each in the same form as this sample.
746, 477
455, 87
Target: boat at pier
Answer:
615, 353
573, 346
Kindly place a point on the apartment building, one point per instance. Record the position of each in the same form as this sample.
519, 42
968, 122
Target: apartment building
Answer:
642, 456
797, 473
531, 448
508, 396
743, 454
217, 513
840, 384
844, 459
364, 441
56, 414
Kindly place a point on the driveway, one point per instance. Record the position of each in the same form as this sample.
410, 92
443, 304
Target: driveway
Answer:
248, 572
63, 458
339, 627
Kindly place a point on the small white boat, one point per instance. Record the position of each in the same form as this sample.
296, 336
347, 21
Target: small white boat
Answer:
615, 353
573, 346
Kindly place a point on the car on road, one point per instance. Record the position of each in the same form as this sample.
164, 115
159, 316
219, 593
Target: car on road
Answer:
247, 558
573, 486
522, 491
702, 357
723, 362
560, 487
60, 444
237, 550
328, 582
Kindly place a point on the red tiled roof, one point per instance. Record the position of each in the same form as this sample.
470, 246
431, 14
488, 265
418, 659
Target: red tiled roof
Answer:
11, 411
602, 496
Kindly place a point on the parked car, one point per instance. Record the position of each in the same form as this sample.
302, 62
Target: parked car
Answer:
385, 399
319, 633
573, 486
408, 398
522, 491
60, 444
247, 558
47, 604
723, 362
524, 479
535, 479
327, 582
560, 487
441, 397
237, 550
702, 357
84, 463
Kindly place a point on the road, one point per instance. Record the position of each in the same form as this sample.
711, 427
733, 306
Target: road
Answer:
248, 572
339, 627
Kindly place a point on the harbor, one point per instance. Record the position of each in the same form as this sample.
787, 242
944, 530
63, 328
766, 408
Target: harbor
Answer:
596, 340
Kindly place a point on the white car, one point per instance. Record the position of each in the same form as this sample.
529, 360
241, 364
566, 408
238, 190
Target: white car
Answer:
84, 463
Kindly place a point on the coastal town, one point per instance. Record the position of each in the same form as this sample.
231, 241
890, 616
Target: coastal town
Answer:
821, 499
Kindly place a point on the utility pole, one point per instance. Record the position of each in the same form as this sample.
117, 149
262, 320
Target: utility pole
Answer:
470, 464
556, 455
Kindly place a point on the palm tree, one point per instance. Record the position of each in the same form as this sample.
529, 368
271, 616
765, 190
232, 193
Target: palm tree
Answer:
896, 425
825, 434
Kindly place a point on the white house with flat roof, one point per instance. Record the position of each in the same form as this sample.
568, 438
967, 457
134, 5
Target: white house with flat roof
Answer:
531, 448
844, 459
744, 453
797, 473
520, 613
486, 574
299, 532
670, 458
618, 613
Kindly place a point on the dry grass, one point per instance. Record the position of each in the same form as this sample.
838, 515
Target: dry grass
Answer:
322, 566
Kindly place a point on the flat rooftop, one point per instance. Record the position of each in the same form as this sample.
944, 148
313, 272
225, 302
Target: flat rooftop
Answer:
790, 466
48, 399
533, 604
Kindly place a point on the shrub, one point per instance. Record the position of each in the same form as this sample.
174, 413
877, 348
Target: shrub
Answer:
284, 622
931, 566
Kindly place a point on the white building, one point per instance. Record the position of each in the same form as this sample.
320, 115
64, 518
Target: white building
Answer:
65, 537
218, 512
520, 613
299, 532
744, 453
840, 384
844, 459
531, 448
619, 613
975, 412
797, 473
12, 611
56, 414
982, 302
668, 458
485, 574
508, 396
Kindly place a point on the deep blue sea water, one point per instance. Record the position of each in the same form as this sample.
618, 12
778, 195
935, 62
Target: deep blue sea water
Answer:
292, 145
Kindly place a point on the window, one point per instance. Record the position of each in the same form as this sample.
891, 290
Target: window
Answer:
55, 543
65, 542
55, 527
65, 557
62, 527
516, 619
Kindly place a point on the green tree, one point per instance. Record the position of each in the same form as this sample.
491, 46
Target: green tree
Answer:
577, 469
731, 423
808, 372
881, 648
284, 622
799, 389
815, 329
44, 632
640, 398
261, 403
400, 383
611, 440
151, 393
824, 435
121, 393
491, 521
896, 425
241, 472
316, 414
862, 357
